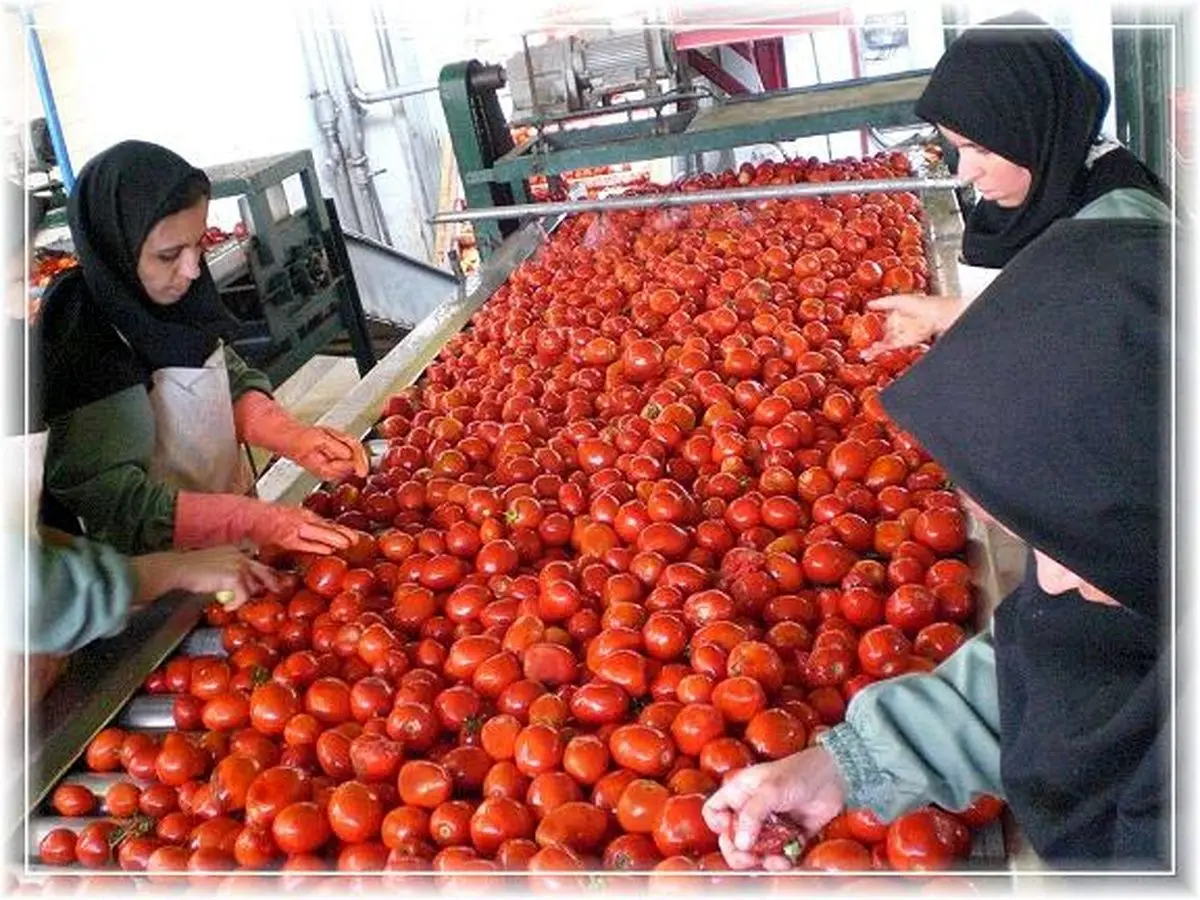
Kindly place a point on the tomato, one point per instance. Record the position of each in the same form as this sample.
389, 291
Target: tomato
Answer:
325, 576
104, 752
631, 853
73, 800
642, 749
538, 748
274, 789
550, 664
586, 759
696, 725
883, 651
941, 529
575, 826
599, 703
984, 809
355, 813
775, 733
926, 839
640, 806
300, 828
910, 608
827, 562
497, 820
424, 784
837, 855
681, 828
739, 699
939, 640
57, 848
94, 844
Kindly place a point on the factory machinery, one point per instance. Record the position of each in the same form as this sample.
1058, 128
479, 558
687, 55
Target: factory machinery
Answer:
102, 685
568, 93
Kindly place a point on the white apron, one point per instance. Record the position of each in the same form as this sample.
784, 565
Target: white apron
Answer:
972, 280
195, 441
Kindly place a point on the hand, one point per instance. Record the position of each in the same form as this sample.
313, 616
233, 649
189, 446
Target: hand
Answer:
912, 319
805, 786
202, 572
328, 453
299, 529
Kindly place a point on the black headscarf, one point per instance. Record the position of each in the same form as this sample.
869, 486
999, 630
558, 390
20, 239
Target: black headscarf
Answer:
1024, 93
119, 197
1044, 403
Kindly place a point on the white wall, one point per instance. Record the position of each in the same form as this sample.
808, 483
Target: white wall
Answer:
226, 81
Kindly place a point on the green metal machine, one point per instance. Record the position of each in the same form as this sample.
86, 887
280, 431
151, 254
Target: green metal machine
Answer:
289, 283
494, 170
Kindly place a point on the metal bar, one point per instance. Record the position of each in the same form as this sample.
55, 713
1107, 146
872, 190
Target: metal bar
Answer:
396, 93
629, 106
732, 195
203, 642
699, 140
53, 122
149, 711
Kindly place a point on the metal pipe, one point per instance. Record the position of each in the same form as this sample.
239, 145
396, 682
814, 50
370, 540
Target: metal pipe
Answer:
325, 113
365, 98
404, 133
359, 165
42, 76
693, 198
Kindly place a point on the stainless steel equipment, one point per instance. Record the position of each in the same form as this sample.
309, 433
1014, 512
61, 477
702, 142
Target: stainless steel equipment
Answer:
585, 70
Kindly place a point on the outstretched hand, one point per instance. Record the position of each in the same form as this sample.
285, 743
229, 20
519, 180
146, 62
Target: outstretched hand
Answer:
805, 786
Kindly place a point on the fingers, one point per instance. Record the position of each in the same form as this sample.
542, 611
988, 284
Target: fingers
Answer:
722, 807
343, 448
737, 859
895, 302
777, 864
239, 589
750, 819
326, 535
262, 576
362, 462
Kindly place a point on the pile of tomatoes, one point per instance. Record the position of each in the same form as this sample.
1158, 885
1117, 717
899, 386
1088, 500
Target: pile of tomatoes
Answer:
643, 524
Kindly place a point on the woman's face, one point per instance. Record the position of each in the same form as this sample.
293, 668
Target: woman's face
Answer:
170, 257
995, 178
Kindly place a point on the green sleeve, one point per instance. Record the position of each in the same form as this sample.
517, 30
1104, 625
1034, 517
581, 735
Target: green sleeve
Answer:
97, 466
242, 378
1126, 203
923, 738
83, 592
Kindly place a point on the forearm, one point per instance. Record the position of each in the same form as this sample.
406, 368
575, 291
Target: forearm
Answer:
82, 592
928, 738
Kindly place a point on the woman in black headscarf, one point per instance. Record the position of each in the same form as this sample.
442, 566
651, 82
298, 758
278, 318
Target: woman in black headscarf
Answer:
1045, 405
1024, 113
146, 405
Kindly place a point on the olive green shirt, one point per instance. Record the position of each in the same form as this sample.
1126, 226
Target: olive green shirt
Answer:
98, 461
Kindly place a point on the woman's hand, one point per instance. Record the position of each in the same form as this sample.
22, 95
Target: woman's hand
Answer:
805, 786
210, 571
328, 453
913, 319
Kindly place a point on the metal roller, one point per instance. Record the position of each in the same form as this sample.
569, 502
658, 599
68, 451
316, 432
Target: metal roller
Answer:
203, 642
694, 198
148, 711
